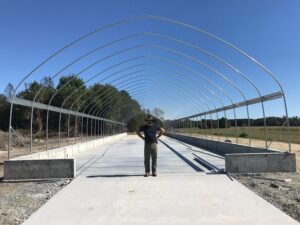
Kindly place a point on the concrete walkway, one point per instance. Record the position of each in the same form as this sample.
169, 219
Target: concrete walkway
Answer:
111, 190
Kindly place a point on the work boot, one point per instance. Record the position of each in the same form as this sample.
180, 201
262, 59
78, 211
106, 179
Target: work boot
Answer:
154, 174
147, 175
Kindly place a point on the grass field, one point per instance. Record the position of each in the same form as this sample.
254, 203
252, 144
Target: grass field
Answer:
273, 133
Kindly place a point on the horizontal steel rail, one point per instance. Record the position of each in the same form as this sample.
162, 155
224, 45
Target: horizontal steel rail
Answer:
37, 105
273, 96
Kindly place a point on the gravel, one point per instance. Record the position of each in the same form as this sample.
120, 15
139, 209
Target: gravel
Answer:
21, 199
280, 189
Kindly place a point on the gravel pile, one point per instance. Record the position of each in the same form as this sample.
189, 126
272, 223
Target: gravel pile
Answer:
280, 189
19, 200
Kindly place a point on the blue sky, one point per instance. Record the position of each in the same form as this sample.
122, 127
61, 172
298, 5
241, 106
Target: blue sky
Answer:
268, 30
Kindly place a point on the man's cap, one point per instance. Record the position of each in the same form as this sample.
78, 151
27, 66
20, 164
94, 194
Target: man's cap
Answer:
149, 118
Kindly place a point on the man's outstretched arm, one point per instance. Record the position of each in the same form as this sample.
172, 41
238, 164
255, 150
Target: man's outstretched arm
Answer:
161, 132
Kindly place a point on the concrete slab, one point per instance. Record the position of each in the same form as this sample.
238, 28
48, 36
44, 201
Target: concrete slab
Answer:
110, 190
127, 157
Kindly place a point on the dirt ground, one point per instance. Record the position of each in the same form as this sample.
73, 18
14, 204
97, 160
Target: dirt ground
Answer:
280, 189
19, 200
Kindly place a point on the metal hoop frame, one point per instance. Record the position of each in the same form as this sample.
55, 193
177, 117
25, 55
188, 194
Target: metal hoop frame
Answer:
189, 70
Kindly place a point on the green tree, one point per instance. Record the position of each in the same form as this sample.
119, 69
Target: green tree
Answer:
40, 92
9, 90
223, 121
130, 109
4, 112
135, 122
68, 90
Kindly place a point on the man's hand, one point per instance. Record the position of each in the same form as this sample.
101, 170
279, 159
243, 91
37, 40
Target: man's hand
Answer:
140, 134
161, 132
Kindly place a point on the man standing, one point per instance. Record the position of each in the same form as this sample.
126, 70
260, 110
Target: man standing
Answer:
150, 131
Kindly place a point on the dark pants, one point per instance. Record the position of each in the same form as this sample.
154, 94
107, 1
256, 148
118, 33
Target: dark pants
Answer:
150, 150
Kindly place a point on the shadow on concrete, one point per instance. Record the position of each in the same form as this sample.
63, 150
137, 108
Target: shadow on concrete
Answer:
217, 155
187, 161
117, 175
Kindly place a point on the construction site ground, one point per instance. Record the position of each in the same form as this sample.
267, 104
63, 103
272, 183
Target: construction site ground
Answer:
20, 199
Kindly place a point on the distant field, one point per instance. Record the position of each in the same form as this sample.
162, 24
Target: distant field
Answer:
274, 133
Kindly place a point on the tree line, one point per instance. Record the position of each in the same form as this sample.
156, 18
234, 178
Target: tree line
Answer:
71, 92
104, 100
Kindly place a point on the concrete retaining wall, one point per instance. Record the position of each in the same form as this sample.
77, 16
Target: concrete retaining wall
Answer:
71, 150
244, 159
217, 147
55, 163
260, 162
39, 169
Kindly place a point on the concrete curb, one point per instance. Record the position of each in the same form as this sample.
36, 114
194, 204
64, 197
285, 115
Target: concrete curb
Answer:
260, 163
39, 169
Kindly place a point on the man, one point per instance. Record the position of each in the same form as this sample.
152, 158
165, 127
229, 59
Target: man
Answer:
150, 131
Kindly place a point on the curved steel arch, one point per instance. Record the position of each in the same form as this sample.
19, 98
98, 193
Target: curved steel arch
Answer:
189, 94
107, 91
97, 74
124, 21
158, 89
96, 108
124, 76
191, 87
171, 98
162, 36
137, 85
88, 80
94, 75
161, 93
129, 61
195, 72
198, 90
179, 41
159, 19
141, 91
